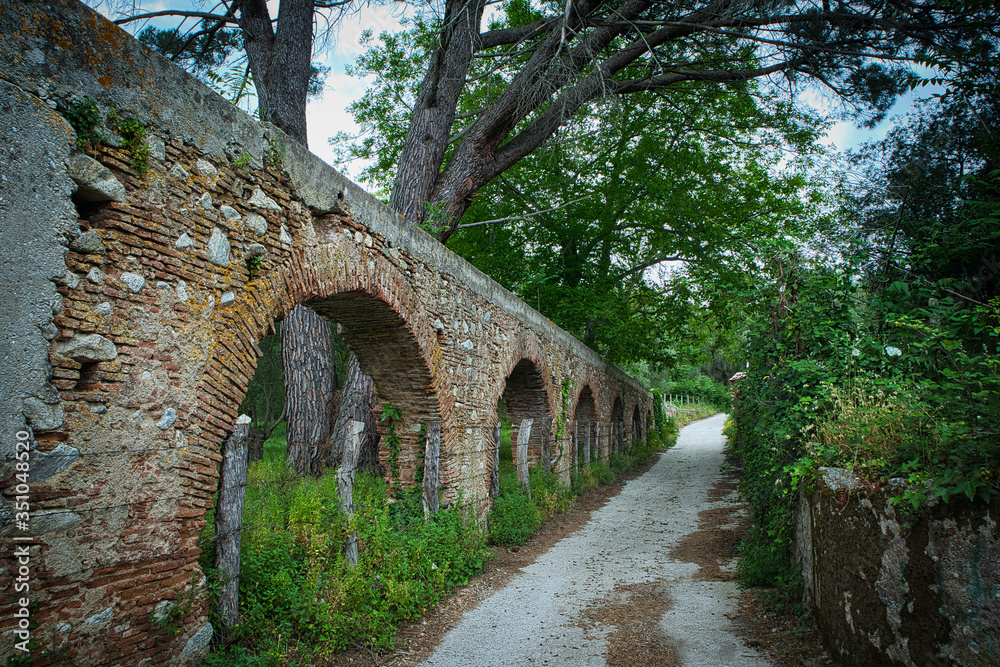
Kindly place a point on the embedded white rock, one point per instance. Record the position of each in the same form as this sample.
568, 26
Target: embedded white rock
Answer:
205, 168
260, 200
185, 241
230, 213
218, 248
95, 182
133, 281
88, 348
256, 224
178, 171
168, 419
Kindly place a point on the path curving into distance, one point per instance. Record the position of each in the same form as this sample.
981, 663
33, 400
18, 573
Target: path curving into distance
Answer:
620, 591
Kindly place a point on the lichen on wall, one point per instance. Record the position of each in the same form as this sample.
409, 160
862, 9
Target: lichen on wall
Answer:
889, 587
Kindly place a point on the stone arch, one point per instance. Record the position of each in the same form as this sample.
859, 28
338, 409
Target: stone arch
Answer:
584, 414
525, 396
390, 339
637, 435
618, 424
388, 352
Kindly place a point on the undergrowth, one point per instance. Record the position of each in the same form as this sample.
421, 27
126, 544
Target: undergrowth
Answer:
515, 517
298, 598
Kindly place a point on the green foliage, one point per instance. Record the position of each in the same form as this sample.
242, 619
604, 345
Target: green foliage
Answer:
548, 495
85, 118
200, 53
514, 518
700, 388
274, 154
393, 444
133, 133
578, 228
265, 398
243, 161
166, 621
602, 473
254, 264
436, 219
298, 599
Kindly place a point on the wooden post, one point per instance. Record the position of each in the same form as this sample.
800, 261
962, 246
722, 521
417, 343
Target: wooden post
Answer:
229, 517
345, 486
495, 473
545, 433
576, 447
523, 434
586, 446
432, 452
597, 441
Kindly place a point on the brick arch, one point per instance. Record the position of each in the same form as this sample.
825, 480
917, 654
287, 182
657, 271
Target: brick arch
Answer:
617, 409
637, 432
525, 395
585, 405
382, 325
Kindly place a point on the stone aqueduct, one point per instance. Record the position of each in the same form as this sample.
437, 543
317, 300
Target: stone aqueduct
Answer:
131, 317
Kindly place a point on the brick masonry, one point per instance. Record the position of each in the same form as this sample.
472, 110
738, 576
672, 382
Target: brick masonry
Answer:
160, 284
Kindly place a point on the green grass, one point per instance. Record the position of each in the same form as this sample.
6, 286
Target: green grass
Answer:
299, 600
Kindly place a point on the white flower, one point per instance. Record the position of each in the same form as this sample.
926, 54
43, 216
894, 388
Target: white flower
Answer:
893, 351
855, 352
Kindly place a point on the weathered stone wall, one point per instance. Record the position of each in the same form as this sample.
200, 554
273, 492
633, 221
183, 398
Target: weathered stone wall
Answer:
888, 588
133, 307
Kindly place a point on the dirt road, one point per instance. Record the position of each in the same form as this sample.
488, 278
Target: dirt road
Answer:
639, 584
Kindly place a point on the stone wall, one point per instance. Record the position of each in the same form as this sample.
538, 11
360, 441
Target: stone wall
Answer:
134, 298
891, 588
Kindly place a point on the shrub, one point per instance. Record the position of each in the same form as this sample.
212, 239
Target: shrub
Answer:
514, 518
602, 473
548, 495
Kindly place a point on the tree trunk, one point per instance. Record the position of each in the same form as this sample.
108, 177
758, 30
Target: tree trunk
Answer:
434, 110
310, 384
357, 404
280, 62
255, 445
228, 517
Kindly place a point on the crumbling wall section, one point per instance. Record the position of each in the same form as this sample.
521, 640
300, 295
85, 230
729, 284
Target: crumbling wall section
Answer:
891, 587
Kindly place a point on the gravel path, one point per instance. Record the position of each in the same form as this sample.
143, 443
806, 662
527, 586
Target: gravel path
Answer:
611, 593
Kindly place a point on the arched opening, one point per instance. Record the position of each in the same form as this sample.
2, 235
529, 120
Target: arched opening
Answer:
584, 431
524, 397
618, 425
636, 426
387, 352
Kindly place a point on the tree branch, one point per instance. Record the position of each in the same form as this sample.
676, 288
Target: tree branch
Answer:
521, 217
175, 12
